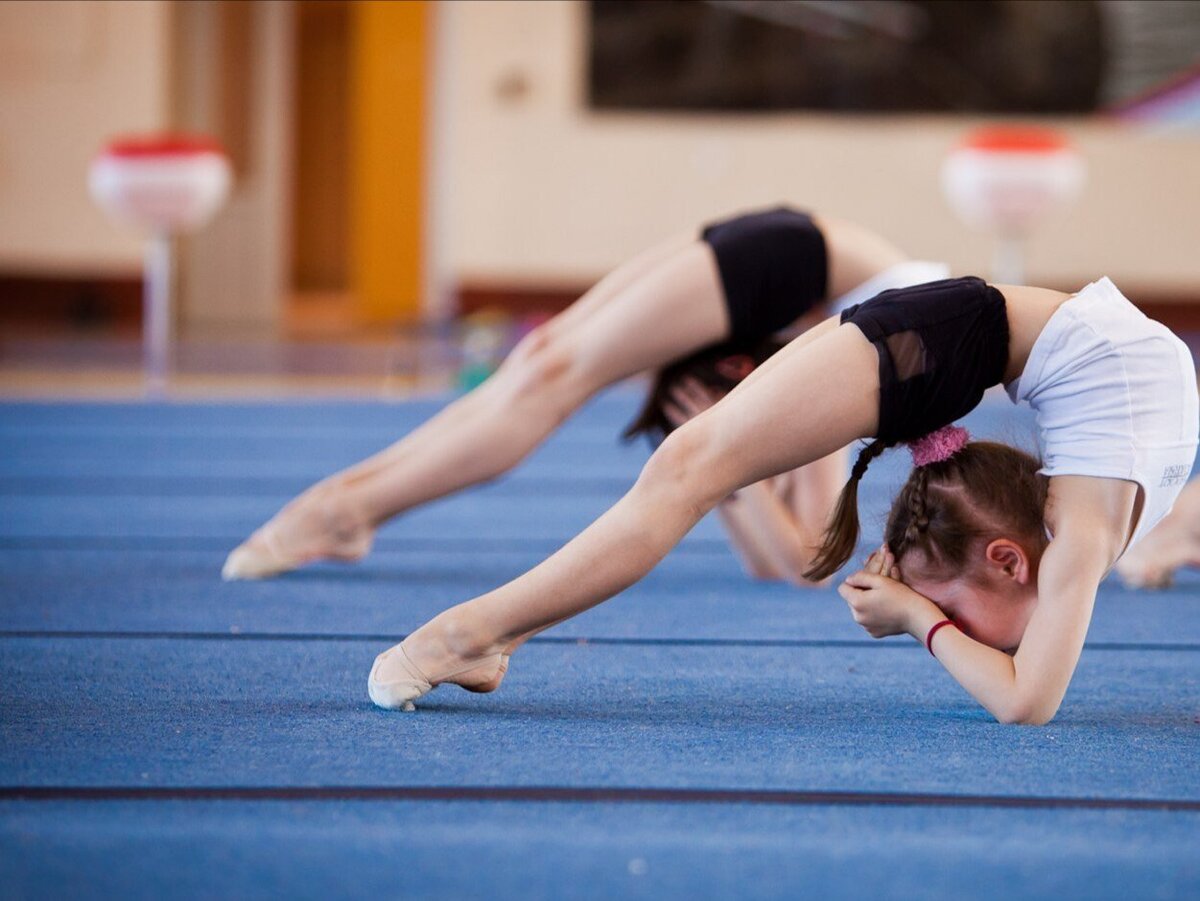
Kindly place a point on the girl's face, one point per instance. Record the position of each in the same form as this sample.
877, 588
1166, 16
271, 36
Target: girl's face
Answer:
993, 604
987, 616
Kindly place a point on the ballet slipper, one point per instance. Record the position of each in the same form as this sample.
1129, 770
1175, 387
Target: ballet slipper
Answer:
405, 683
316, 526
258, 558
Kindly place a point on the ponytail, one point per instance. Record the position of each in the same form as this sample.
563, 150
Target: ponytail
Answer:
841, 536
948, 506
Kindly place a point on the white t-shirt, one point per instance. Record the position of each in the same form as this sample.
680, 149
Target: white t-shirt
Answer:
1114, 394
902, 275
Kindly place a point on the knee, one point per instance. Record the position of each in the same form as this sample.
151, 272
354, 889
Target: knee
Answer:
540, 364
686, 465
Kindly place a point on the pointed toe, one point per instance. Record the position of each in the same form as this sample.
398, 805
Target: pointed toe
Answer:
396, 690
256, 559
235, 565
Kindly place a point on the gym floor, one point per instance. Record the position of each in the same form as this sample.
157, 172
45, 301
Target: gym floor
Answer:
166, 734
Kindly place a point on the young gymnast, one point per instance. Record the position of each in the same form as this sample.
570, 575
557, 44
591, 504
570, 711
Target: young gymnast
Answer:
742, 280
992, 562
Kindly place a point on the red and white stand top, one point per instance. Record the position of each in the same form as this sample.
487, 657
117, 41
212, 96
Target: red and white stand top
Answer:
1005, 178
161, 183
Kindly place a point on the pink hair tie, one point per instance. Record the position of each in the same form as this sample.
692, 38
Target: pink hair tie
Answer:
939, 445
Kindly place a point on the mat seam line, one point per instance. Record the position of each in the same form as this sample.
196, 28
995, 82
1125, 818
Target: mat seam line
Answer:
586, 794
548, 640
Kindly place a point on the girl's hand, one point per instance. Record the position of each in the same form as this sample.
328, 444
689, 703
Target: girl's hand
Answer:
878, 601
689, 398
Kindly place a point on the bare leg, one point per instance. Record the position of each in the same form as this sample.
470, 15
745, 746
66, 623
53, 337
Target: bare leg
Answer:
762, 428
1173, 543
855, 254
660, 306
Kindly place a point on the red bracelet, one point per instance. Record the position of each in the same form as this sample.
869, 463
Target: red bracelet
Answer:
933, 632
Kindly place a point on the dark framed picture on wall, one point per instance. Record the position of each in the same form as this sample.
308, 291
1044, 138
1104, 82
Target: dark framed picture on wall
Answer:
1026, 57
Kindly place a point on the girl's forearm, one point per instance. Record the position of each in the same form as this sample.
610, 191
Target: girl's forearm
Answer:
1029, 686
988, 675
766, 534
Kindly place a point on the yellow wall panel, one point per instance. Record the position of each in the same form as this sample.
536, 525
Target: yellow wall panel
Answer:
389, 49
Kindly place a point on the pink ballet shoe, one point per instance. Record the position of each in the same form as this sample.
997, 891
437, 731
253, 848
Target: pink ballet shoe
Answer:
404, 683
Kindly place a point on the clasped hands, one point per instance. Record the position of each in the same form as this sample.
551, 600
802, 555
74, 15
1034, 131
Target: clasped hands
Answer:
880, 602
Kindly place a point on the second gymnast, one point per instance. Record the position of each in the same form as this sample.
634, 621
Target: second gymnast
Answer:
708, 304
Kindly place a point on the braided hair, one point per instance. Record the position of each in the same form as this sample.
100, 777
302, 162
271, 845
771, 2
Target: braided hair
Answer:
985, 491
918, 511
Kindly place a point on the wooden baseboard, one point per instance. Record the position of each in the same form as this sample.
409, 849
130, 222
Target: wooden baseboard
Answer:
515, 298
61, 301
105, 301
1181, 314
1179, 310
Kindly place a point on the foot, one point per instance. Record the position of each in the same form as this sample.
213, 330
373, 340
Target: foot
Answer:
399, 675
321, 524
1153, 561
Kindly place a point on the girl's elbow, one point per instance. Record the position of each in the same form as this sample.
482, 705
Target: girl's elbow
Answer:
1025, 712
797, 566
797, 580
791, 576
799, 562
760, 573
789, 570
1023, 719
757, 568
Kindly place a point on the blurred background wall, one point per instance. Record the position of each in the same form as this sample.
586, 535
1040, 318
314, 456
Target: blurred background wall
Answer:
540, 188
407, 160
71, 74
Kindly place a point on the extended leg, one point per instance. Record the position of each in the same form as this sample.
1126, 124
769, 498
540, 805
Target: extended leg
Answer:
666, 306
816, 397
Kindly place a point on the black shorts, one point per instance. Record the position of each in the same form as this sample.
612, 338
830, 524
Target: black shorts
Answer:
940, 345
773, 269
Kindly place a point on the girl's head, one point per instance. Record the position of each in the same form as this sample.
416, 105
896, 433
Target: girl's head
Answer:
966, 531
719, 367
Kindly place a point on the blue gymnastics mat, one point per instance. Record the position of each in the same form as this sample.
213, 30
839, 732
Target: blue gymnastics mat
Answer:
702, 735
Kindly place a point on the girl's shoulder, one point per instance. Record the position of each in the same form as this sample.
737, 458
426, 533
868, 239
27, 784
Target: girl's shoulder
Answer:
1101, 509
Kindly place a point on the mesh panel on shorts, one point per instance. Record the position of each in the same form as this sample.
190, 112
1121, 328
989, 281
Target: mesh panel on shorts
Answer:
908, 354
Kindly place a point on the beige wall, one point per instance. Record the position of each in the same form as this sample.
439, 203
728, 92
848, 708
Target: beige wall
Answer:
533, 187
72, 74
537, 188
235, 272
